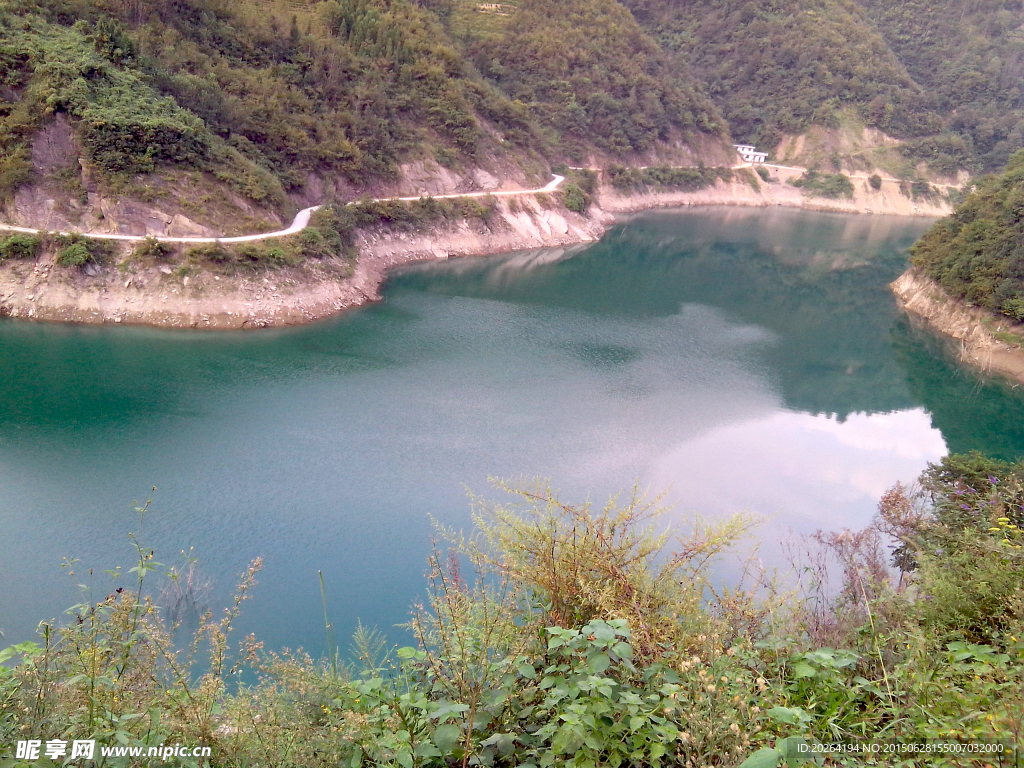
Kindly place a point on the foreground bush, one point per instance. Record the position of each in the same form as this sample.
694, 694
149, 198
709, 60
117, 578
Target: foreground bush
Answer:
587, 637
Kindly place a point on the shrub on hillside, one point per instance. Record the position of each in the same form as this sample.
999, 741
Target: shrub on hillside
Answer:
152, 248
76, 250
666, 177
825, 184
214, 253
74, 255
20, 246
269, 254
15, 168
574, 198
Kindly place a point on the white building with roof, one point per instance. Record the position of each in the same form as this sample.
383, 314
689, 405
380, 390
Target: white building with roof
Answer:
750, 154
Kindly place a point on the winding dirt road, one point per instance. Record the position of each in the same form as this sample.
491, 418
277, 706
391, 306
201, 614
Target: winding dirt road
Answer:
300, 222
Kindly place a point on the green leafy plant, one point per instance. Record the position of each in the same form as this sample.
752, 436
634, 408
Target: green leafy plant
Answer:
825, 184
74, 255
574, 198
666, 177
20, 246
152, 248
76, 250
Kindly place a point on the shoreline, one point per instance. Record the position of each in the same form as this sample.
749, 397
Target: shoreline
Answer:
158, 297
977, 330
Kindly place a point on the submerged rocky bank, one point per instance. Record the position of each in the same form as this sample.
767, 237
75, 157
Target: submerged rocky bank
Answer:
135, 293
985, 339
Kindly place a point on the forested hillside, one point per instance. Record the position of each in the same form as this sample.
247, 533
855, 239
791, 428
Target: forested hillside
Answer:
968, 55
264, 96
977, 254
776, 68
590, 74
350, 89
944, 76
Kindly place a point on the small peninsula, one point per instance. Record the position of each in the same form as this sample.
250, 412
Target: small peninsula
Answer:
967, 274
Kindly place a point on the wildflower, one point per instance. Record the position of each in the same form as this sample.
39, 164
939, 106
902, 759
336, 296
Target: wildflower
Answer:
762, 684
711, 689
734, 728
725, 679
684, 737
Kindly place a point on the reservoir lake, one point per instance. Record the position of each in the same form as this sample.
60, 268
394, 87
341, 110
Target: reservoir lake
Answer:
737, 359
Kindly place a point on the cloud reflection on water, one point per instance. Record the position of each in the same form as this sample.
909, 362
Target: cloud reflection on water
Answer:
800, 472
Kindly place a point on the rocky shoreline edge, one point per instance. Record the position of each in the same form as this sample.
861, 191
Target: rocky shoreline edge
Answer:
161, 297
984, 339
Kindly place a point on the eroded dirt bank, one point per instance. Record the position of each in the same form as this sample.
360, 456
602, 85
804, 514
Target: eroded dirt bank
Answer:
888, 199
161, 296
982, 335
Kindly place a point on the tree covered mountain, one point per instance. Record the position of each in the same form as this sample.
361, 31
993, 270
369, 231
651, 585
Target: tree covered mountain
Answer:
968, 57
977, 254
264, 95
945, 76
592, 75
777, 68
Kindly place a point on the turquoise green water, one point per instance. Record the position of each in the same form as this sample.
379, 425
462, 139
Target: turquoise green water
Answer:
744, 359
